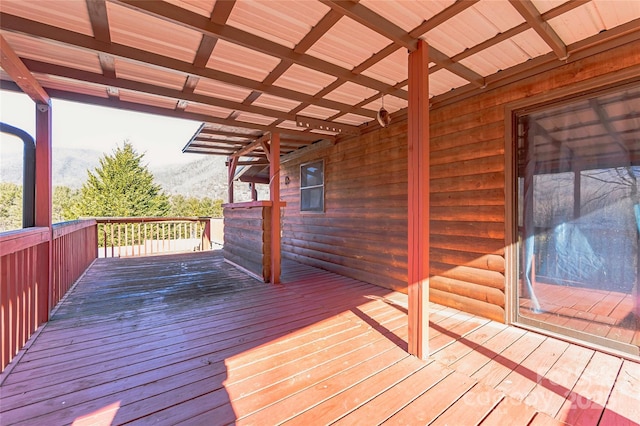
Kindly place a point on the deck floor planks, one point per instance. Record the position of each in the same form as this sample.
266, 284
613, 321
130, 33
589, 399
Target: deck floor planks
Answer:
471, 408
502, 364
219, 347
524, 378
434, 401
555, 385
623, 407
509, 411
468, 343
394, 399
355, 396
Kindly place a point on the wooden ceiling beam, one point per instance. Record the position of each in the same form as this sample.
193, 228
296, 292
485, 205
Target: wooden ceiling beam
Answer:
18, 71
382, 26
252, 146
373, 21
194, 21
219, 15
327, 21
148, 109
99, 19
325, 24
137, 86
25, 26
529, 12
441, 17
457, 68
221, 132
97, 10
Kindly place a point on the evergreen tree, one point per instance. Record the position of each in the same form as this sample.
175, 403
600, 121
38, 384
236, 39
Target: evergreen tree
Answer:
121, 186
10, 206
63, 201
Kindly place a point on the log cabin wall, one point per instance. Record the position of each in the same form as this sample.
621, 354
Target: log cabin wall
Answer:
247, 237
362, 233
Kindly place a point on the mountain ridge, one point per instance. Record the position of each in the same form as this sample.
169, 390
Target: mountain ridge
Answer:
202, 177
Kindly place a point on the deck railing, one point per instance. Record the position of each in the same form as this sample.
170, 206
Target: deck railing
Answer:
141, 236
25, 302
74, 248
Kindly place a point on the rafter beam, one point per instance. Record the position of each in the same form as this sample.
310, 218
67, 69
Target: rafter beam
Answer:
252, 146
373, 21
529, 12
194, 21
460, 70
13, 65
400, 37
26, 26
137, 86
440, 18
132, 106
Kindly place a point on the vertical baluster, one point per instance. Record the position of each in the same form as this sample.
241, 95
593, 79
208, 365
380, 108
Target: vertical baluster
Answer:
112, 236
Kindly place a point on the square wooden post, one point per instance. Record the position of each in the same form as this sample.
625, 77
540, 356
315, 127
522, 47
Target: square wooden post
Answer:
274, 191
418, 208
43, 210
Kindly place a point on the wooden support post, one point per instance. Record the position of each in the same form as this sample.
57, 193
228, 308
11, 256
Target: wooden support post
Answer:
418, 209
205, 243
254, 191
274, 191
43, 209
233, 163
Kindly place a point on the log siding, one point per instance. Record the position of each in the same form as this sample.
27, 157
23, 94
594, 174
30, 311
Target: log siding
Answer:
363, 231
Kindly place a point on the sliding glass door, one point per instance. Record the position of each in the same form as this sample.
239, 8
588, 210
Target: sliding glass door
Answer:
578, 218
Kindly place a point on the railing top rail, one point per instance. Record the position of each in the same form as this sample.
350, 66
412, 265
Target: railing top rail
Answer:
149, 219
20, 239
64, 228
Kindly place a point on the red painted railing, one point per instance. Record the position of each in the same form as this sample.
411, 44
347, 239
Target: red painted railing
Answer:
25, 302
20, 293
75, 246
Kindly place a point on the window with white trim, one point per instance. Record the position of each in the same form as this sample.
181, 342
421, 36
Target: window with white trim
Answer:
312, 187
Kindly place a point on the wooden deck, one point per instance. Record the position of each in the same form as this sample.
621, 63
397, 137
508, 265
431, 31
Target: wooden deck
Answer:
189, 339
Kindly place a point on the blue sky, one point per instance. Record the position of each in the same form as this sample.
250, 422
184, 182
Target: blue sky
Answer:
76, 125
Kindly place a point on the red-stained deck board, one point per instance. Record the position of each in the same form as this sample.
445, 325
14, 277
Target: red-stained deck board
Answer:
555, 385
623, 407
471, 408
524, 378
428, 406
360, 393
502, 364
189, 339
396, 398
509, 411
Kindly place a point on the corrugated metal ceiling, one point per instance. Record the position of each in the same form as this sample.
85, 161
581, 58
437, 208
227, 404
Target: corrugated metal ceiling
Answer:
252, 66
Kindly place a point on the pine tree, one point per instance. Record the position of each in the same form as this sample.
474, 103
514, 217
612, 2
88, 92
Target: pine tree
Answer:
121, 186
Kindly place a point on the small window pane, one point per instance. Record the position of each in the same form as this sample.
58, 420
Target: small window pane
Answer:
312, 175
312, 199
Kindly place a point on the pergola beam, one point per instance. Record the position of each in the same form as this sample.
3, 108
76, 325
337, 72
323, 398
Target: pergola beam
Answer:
373, 21
21, 25
132, 106
20, 74
252, 146
529, 12
400, 37
194, 21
